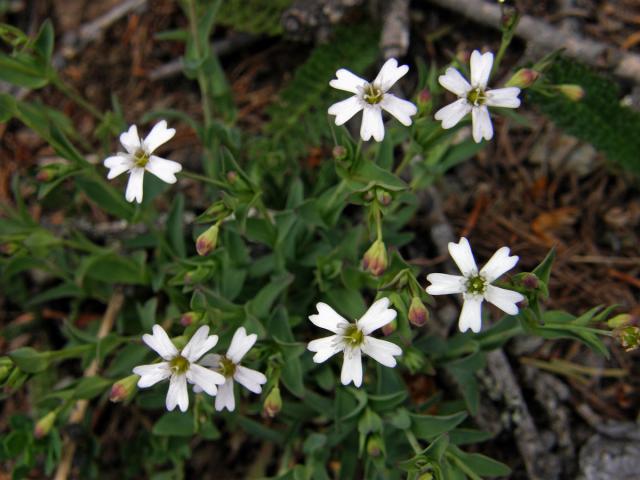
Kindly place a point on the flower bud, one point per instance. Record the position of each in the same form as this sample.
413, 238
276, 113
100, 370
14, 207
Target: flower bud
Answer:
44, 425
375, 259
426, 476
530, 281
424, 97
339, 152
207, 240
190, 318
418, 313
629, 337
390, 327
620, 321
273, 403
522, 304
384, 198
232, 177
124, 388
523, 78
573, 92
375, 446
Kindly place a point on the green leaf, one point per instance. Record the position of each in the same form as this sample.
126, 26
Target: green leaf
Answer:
543, 270
7, 107
292, 376
480, 464
147, 313
43, 44
111, 268
261, 304
22, 70
30, 360
175, 424
463, 371
427, 427
90, 387
105, 197
175, 230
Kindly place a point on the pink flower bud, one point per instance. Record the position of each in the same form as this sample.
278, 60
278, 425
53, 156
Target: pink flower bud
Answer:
418, 313
123, 389
375, 259
207, 240
273, 403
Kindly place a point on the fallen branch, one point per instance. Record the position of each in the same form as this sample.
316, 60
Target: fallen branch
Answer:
540, 33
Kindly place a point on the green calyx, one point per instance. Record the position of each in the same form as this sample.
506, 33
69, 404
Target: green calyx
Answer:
227, 367
477, 96
476, 285
372, 94
140, 158
353, 336
179, 365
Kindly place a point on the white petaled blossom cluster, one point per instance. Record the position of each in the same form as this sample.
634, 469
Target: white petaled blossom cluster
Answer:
139, 157
353, 339
188, 366
474, 97
372, 98
475, 286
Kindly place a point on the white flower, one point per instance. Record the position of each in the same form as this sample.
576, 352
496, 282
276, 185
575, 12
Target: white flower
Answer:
180, 367
139, 158
353, 339
372, 98
230, 369
475, 98
476, 286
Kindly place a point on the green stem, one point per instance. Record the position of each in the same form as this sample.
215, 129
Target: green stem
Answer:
413, 441
74, 95
403, 164
378, 218
463, 466
200, 53
203, 178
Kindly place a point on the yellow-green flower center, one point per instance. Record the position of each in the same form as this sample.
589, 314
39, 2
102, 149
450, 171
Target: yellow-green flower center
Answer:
179, 365
353, 336
476, 96
140, 158
227, 367
372, 94
476, 285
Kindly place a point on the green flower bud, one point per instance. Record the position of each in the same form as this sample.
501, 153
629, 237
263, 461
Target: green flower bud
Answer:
573, 92
384, 198
375, 259
375, 446
620, 321
190, 318
124, 388
523, 78
390, 327
273, 403
418, 313
207, 240
339, 152
44, 425
530, 281
232, 177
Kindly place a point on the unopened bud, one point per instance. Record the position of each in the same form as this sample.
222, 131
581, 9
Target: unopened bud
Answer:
273, 403
390, 327
522, 304
426, 476
418, 313
232, 176
44, 425
530, 281
375, 446
384, 198
339, 152
573, 92
523, 78
509, 18
375, 259
207, 240
629, 337
124, 388
189, 318
620, 321
424, 97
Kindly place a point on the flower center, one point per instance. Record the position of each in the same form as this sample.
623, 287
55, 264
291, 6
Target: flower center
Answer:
476, 285
140, 158
227, 367
179, 365
372, 94
476, 96
353, 336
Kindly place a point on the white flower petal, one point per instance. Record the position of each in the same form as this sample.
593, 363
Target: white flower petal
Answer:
177, 393
503, 97
327, 318
372, 125
130, 139
347, 81
161, 343
378, 315
158, 135
482, 127
134, 185
117, 164
389, 74
504, 299
251, 379
352, 367
480, 68
225, 397
164, 169
152, 374
451, 114
346, 109
325, 348
445, 284
399, 108
471, 314
211, 360
453, 81
199, 344
462, 255
498, 264
205, 379
241, 343
381, 351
